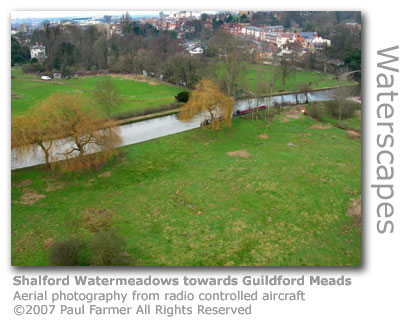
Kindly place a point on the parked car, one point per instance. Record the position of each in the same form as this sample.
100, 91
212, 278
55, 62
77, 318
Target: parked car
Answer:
46, 78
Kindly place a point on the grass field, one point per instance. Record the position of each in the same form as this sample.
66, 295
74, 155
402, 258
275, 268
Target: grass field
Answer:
27, 90
265, 74
182, 200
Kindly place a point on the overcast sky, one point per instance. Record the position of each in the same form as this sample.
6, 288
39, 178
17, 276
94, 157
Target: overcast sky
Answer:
53, 14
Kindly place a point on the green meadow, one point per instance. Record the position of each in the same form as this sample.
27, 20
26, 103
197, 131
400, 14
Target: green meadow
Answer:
264, 73
28, 90
258, 193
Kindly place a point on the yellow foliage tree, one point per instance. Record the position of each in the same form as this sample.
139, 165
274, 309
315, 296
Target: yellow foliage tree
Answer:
207, 98
91, 138
38, 127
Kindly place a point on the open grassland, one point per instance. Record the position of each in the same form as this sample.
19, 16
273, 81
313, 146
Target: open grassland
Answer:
265, 73
28, 90
254, 194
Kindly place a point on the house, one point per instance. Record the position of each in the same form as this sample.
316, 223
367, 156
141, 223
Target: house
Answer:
38, 52
320, 43
197, 50
57, 75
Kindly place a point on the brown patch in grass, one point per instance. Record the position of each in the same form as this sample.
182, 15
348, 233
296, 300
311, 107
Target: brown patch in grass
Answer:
48, 243
52, 186
105, 174
355, 211
27, 241
293, 114
239, 153
97, 219
137, 77
30, 197
353, 134
283, 119
263, 136
23, 183
320, 127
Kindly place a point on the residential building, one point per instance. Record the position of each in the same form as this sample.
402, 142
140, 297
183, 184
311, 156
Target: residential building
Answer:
38, 52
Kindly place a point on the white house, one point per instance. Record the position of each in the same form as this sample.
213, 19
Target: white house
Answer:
196, 50
38, 52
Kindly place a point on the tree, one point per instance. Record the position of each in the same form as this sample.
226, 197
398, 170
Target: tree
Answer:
231, 66
107, 96
92, 138
126, 23
287, 70
19, 53
304, 88
207, 97
343, 106
34, 129
88, 138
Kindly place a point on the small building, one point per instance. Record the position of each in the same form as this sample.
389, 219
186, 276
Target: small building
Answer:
197, 50
38, 52
57, 75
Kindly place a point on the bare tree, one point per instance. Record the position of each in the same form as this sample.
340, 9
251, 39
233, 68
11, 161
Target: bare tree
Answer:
231, 65
341, 94
107, 96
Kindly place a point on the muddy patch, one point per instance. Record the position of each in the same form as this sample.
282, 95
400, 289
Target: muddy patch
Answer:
105, 174
353, 134
263, 136
293, 114
97, 219
53, 186
48, 243
239, 153
354, 211
283, 119
320, 127
23, 183
30, 197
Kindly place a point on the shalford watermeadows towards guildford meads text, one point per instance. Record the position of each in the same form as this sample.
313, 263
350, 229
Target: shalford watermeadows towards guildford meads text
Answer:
264, 280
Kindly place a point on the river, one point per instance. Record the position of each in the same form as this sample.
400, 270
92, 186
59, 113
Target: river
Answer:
159, 127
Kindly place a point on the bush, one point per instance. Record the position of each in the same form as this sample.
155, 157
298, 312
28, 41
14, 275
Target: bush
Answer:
347, 110
65, 252
108, 249
314, 112
182, 96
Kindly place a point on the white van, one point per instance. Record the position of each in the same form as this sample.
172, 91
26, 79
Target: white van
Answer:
46, 78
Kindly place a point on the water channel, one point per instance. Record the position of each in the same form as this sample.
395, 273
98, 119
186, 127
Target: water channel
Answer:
159, 127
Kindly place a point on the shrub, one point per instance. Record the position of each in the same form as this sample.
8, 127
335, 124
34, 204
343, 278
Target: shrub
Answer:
347, 109
65, 252
108, 249
182, 96
314, 112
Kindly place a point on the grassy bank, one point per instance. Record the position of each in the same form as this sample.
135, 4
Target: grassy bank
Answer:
265, 73
353, 123
27, 90
183, 200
